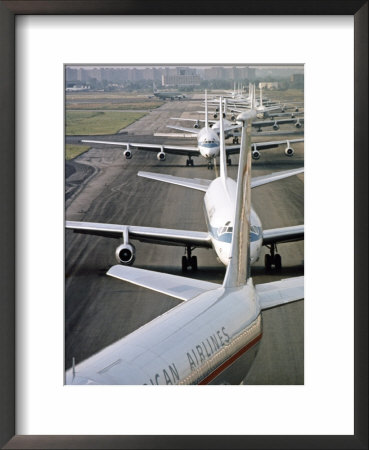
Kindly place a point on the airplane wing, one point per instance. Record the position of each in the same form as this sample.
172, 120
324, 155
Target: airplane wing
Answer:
162, 236
193, 183
173, 285
285, 234
233, 149
173, 149
273, 144
190, 120
269, 123
265, 179
280, 292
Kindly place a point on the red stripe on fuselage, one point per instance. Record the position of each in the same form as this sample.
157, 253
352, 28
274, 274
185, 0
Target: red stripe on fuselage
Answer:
230, 361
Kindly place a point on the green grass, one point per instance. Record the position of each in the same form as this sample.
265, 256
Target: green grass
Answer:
72, 151
86, 122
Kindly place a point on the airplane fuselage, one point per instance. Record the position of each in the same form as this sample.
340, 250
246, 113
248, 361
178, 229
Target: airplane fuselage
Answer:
220, 206
212, 339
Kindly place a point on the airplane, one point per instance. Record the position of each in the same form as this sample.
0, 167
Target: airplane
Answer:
213, 336
262, 111
274, 123
165, 95
219, 206
208, 144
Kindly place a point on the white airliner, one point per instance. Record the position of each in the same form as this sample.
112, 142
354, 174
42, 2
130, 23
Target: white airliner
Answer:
219, 205
210, 338
207, 143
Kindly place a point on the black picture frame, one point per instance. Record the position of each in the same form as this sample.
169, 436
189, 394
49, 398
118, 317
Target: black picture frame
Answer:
8, 11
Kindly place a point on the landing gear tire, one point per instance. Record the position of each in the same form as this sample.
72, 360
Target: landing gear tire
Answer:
235, 140
229, 161
184, 263
193, 263
268, 262
210, 166
189, 162
278, 262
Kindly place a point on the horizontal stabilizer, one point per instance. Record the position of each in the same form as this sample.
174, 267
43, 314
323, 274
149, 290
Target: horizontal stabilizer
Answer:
280, 292
173, 285
265, 179
193, 183
186, 130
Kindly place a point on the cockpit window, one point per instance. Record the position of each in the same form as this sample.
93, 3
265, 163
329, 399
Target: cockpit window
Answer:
225, 229
254, 229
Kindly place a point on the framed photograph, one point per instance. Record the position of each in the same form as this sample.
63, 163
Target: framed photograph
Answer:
328, 406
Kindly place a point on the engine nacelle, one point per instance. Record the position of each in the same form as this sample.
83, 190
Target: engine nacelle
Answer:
289, 151
298, 124
125, 254
233, 118
127, 154
255, 154
215, 116
161, 156
275, 126
196, 125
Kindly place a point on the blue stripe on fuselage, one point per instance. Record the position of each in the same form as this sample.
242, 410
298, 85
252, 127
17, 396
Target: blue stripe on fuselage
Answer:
209, 145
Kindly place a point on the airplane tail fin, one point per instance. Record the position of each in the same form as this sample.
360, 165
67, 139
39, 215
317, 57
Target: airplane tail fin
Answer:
206, 110
223, 156
261, 96
238, 269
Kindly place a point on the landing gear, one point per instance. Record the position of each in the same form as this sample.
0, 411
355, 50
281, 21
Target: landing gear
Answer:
273, 259
189, 260
210, 165
189, 162
229, 161
235, 140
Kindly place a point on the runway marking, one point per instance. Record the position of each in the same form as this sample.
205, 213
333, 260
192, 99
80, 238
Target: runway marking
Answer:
230, 361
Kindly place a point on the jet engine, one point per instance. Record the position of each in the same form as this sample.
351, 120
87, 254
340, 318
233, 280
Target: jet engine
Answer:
125, 254
127, 154
196, 125
215, 115
298, 124
275, 126
289, 151
255, 154
161, 156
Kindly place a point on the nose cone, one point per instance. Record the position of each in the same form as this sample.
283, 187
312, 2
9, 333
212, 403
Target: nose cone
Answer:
209, 151
224, 252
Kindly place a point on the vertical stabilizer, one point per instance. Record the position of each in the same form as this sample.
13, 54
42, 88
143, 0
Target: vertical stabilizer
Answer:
223, 156
253, 97
239, 265
206, 110
261, 96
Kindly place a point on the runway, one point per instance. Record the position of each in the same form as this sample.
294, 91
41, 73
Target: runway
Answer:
101, 186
